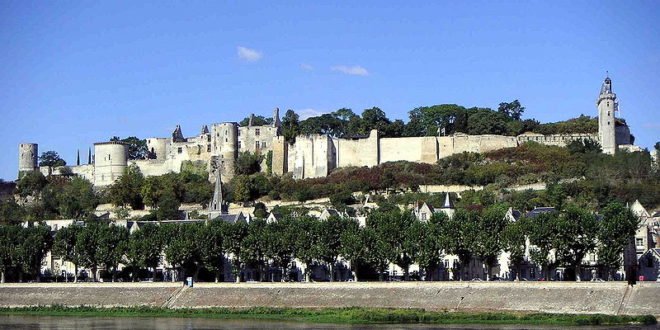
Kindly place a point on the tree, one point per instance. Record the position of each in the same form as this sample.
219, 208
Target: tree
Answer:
112, 247
127, 189
423, 240
248, 163
31, 184
353, 249
489, 238
144, 248
234, 237
541, 231
260, 210
278, 247
77, 198
328, 245
575, 237
254, 247
242, 188
212, 251
137, 148
64, 247
616, 230
257, 120
182, 248
584, 146
31, 247
51, 158
88, 244
392, 228
461, 234
290, 126
513, 110
10, 212
514, 242
436, 120
304, 242
9, 236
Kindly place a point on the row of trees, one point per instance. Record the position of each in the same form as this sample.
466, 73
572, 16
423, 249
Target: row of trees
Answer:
426, 121
391, 236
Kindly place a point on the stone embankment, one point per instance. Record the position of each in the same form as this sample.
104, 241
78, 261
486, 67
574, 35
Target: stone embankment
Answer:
614, 298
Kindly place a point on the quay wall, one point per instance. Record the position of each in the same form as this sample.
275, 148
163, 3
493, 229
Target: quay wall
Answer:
552, 297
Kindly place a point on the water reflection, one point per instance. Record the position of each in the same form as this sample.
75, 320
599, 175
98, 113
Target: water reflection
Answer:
112, 323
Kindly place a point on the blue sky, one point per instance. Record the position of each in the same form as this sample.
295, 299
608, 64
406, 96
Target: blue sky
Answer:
75, 73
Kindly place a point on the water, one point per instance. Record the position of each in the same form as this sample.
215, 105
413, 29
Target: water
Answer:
112, 323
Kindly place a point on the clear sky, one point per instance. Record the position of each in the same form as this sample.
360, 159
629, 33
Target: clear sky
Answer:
77, 72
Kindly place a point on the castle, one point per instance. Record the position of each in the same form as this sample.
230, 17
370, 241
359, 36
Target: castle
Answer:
311, 156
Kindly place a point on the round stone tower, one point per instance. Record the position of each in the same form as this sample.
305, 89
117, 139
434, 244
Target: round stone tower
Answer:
110, 159
606, 123
158, 147
27, 157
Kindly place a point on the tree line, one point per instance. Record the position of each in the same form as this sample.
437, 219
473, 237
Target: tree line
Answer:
390, 236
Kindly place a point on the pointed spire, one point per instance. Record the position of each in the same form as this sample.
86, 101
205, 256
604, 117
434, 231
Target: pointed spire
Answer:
448, 203
177, 135
276, 118
89, 156
205, 129
215, 206
78, 158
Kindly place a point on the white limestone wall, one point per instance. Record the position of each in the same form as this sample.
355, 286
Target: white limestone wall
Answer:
411, 149
358, 152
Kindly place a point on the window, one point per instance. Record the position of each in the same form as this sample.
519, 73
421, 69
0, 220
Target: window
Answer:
208, 138
108, 157
256, 132
423, 216
256, 144
180, 150
226, 132
639, 241
239, 144
608, 113
608, 103
446, 262
208, 148
263, 144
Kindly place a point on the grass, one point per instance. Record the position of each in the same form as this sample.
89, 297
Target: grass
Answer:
354, 315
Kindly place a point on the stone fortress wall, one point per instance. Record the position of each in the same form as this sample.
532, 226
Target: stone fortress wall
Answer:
312, 156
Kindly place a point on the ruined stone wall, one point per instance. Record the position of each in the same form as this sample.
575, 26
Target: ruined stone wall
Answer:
459, 143
249, 136
280, 154
560, 140
313, 156
411, 149
358, 152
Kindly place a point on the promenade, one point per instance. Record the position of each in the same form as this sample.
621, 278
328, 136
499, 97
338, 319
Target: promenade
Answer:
614, 298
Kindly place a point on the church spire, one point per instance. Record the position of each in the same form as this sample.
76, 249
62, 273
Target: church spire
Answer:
216, 204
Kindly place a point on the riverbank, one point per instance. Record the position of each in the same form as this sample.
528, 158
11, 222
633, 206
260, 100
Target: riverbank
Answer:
611, 298
354, 315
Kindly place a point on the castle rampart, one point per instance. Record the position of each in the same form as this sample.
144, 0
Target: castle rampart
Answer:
316, 155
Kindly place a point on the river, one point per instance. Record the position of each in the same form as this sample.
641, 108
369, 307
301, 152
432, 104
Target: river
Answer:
15, 322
